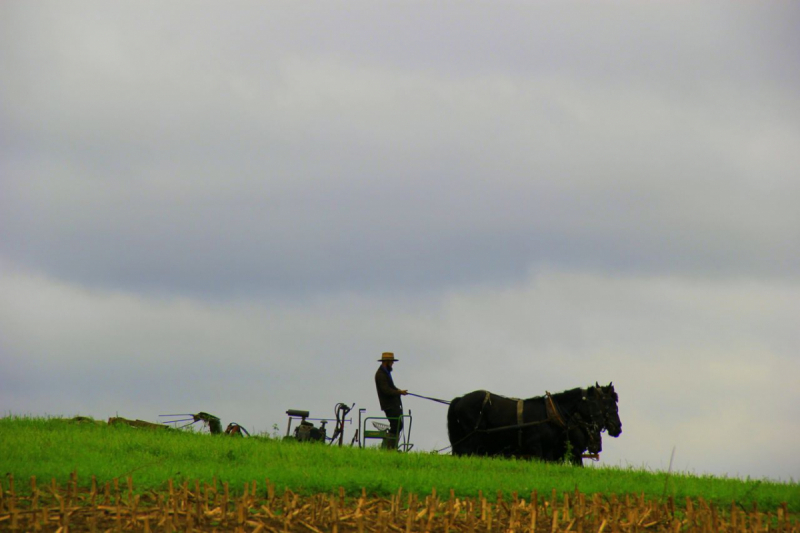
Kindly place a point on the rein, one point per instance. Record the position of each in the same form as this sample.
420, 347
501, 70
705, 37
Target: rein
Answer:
515, 426
429, 398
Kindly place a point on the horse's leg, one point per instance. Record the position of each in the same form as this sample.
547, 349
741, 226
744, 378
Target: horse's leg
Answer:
532, 443
577, 457
551, 443
580, 443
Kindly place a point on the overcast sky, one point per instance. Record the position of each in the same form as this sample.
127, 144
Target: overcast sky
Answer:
236, 207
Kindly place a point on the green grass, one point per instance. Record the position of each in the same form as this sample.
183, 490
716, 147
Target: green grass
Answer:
54, 448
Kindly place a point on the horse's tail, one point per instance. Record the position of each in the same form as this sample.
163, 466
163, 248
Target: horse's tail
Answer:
455, 431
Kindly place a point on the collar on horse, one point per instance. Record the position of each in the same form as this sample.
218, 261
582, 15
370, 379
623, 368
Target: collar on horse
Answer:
553, 411
554, 415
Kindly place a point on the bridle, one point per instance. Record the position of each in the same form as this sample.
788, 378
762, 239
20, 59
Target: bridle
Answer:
591, 429
604, 399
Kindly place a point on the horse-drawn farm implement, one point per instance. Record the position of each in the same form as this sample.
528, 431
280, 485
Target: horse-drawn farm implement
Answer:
307, 432
212, 422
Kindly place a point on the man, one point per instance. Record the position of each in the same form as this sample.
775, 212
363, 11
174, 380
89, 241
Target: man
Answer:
389, 397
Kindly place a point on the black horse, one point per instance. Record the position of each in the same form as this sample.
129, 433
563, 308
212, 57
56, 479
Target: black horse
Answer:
551, 428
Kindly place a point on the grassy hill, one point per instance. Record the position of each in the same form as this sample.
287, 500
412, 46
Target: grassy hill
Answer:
55, 448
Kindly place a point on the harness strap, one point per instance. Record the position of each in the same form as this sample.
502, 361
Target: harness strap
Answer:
487, 399
552, 410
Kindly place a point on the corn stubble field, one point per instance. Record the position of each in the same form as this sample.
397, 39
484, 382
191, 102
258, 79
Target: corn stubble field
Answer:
209, 507
67, 475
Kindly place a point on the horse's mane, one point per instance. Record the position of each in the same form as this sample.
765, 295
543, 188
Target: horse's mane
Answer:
567, 394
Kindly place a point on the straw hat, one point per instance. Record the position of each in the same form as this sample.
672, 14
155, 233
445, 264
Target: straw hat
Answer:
387, 356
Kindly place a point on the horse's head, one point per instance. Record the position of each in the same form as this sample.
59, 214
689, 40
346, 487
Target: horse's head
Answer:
608, 404
595, 444
586, 436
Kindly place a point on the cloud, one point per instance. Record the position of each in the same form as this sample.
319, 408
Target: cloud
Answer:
153, 160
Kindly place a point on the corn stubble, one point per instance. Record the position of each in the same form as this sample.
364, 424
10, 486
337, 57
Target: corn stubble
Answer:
115, 506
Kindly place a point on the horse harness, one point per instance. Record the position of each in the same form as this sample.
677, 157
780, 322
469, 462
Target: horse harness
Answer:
550, 408
553, 415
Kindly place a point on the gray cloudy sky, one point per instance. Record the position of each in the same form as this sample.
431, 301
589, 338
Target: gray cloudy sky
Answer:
237, 207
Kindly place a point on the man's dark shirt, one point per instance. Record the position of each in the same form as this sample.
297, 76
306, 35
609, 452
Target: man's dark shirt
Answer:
388, 394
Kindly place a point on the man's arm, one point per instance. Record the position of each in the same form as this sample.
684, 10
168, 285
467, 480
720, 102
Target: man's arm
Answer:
386, 388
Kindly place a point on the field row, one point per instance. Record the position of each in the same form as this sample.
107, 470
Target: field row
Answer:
203, 507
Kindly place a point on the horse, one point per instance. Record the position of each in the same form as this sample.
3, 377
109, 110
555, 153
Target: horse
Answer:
552, 428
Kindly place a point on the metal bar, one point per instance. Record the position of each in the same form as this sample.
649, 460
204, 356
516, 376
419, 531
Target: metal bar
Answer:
360, 429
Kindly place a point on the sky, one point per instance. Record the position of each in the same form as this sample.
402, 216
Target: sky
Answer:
237, 207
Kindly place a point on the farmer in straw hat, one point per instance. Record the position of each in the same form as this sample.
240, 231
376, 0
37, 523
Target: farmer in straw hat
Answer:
389, 397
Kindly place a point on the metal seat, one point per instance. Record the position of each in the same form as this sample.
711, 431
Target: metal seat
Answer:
382, 430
